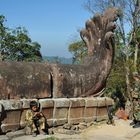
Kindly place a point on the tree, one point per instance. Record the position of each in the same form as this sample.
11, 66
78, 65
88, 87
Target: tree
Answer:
16, 45
79, 51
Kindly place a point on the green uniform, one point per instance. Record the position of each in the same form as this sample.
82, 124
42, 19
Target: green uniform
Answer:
136, 101
30, 122
136, 105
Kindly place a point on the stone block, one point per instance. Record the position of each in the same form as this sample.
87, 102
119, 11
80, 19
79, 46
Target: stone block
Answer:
101, 101
46, 103
102, 113
61, 107
90, 111
104, 101
76, 110
11, 122
10, 115
77, 102
91, 102
11, 104
47, 107
109, 101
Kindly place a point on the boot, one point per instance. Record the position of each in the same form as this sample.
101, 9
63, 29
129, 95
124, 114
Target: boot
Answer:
133, 122
113, 122
137, 125
108, 122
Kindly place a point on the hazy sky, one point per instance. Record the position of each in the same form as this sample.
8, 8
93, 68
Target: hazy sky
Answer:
52, 23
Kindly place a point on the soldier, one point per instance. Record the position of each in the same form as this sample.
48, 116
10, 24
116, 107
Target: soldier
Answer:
110, 110
35, 120
136, 102
136, 112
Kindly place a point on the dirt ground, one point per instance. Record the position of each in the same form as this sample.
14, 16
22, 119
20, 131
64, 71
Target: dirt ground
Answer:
121, 131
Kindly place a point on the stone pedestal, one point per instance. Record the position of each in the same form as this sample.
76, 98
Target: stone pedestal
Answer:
58, 111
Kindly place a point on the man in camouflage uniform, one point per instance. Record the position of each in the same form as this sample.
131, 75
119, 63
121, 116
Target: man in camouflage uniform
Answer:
136, 102
35, 120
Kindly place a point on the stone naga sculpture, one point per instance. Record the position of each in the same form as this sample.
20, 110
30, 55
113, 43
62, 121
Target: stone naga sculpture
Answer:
41, 80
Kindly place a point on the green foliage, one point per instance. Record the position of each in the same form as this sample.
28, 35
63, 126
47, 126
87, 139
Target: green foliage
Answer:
117, 76
79, 51
16, 45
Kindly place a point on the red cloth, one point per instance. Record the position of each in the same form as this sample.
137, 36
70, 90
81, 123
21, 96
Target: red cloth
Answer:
121, 114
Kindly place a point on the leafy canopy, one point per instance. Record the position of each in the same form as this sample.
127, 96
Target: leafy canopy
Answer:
16, 45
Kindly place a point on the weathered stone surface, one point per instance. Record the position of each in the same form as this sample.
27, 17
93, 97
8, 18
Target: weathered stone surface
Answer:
11, 113
15, 134
101, 113
61, 103
11, 104
57, 111
11, 120
46, 103
104, 101
4, 138
71, 80
102, 108
109, 101
61, 107
47, 108
77, 102
24, 80
91, 102
90, 112
76, 111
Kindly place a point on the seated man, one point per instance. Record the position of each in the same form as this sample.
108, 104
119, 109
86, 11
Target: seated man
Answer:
35, 120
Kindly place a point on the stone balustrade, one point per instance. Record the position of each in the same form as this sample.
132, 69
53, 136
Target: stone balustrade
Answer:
58, 111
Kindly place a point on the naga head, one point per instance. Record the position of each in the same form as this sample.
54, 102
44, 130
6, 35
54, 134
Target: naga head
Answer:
99, 30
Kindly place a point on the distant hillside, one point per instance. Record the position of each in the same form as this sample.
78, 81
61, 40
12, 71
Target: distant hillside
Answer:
56, 59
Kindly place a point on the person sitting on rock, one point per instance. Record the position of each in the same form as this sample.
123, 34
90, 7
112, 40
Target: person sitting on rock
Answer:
35, 120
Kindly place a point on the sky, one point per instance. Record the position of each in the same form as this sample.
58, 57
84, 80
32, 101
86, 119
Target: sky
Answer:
52, 23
